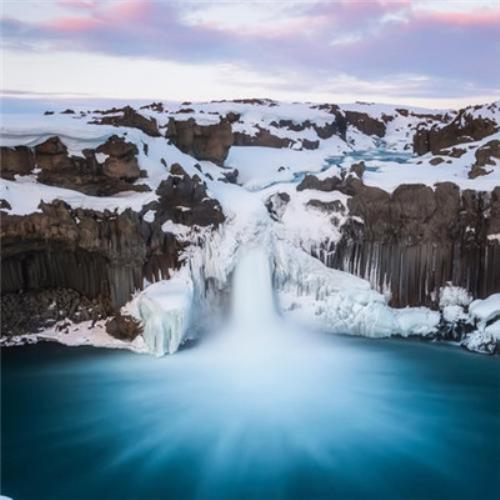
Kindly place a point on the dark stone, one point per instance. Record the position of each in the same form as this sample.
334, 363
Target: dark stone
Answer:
464, 128
436, 160
129, 117
203, 142
312, 182
365, 123
16, 161
358, 168
123, 327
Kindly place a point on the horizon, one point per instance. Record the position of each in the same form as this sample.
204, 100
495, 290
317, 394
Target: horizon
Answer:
404, 52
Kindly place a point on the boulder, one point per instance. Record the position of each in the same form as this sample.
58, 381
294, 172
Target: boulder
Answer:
124, 327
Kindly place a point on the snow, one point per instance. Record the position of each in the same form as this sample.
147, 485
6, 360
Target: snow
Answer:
494, 330
454, 296
454, 313
486, 309
164, 310
78, 334
307, 290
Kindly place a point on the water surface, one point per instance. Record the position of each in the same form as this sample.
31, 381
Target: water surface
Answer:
330, 417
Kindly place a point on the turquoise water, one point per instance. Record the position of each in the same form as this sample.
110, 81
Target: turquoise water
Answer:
331, 418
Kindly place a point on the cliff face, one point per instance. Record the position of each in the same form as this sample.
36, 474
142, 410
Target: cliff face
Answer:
87, 221
101, 254
467, 126
415, 240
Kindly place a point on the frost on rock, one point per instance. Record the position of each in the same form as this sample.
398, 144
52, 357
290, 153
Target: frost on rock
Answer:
486, 313
334, 300
451, 295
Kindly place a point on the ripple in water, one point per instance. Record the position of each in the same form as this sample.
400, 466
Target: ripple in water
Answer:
259, 411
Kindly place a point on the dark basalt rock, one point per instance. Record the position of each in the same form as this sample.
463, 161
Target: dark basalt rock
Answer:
436, 160
123, 327
417, 239
204, 142
101, 255
57, 168
327, 206
365, 123
16, 161
34, 310
184, 200
122, 161
358, 169
307, 144
312, 182
129, 117
484, 156
464, 128
262, 138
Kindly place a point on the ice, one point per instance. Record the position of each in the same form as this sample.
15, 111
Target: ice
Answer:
164, 308
486, 309
450, 295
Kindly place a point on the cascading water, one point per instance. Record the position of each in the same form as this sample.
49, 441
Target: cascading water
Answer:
253, 303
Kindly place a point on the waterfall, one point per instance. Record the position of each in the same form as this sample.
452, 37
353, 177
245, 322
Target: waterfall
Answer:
253, 304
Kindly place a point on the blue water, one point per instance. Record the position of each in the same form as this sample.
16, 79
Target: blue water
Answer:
332, 417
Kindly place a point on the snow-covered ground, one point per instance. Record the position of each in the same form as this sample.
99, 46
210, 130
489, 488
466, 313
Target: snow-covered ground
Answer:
307, 290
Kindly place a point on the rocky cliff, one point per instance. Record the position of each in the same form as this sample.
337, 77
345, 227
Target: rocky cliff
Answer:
100, 214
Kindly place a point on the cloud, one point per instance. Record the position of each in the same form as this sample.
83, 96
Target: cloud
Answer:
368, 41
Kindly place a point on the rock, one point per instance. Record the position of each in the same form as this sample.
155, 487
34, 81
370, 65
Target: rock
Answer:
176, 169
358, 168
203, 142
121, 162
129, 117
124, 327
16, 161
4, 204
34, 310
122, 168
484, 156
189, 193
455, 152
263, 138
48, 113
365, 123
464, 128
230, 177
312, 182
327, 206
68, 112
276, 205
436, 160
52, 146
307, 144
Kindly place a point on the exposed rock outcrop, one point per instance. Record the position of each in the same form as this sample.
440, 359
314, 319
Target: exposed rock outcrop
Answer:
263, 138
204, 142
53, 165
464, 128
485, 156
417, 239
365, 123
102, 255
129, 117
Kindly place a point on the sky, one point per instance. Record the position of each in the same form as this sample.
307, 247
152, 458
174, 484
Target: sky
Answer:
434, 53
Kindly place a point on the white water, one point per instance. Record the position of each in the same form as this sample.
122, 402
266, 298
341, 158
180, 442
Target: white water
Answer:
253, 304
